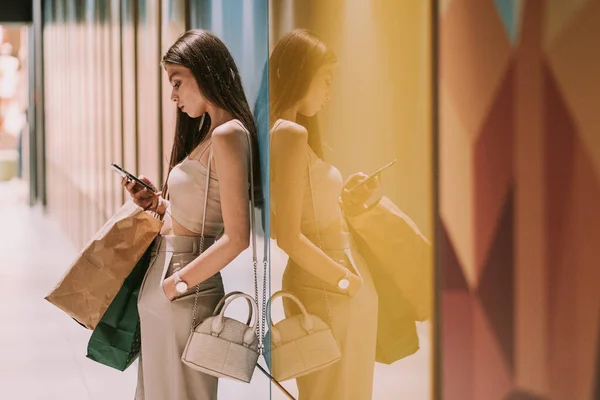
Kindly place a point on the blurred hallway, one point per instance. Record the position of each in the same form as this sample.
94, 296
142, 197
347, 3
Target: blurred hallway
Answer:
43, 352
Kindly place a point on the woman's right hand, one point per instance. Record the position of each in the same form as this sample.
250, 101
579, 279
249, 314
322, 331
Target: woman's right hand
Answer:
356, 192
142, 196
355, 284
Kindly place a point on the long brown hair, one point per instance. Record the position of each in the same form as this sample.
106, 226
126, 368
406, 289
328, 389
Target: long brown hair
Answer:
292, 66
219, 81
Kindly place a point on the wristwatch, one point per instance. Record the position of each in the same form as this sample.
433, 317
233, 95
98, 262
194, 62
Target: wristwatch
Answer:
180, 286
344, 283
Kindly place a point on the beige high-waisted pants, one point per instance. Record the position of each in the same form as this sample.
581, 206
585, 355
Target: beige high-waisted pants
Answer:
354, 324
165, 325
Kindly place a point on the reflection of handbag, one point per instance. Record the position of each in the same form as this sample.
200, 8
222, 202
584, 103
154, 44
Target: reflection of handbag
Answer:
303, 343
299, 345
222, 346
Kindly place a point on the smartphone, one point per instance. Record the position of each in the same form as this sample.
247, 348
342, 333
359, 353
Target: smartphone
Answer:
376, 173
131, 177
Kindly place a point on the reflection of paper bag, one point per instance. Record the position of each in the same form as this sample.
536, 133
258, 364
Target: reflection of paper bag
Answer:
93, 280
396, 329
402, 250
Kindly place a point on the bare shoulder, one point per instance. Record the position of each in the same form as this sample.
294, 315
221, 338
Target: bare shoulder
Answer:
231, 136
288, 132
229, 130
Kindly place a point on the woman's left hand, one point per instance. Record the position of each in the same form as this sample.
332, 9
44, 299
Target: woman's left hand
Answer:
168, 288
356, 192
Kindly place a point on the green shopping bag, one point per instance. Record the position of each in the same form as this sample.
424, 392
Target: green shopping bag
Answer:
115, 341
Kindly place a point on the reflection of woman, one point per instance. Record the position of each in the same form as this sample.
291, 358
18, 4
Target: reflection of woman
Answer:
210, 151
324, 270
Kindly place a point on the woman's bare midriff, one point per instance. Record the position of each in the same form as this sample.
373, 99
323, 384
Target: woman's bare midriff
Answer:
180, 230
172, 227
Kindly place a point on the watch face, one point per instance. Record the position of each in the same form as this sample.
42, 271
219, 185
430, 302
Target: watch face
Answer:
344, 283
181, 287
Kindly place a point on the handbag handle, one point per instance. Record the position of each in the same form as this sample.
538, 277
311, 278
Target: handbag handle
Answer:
224, 302
306, 322
217, 325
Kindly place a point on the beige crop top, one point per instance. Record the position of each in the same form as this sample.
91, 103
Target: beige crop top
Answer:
187, 185
326, 183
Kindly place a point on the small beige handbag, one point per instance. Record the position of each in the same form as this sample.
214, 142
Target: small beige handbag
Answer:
225, 347
298, 345
222, 346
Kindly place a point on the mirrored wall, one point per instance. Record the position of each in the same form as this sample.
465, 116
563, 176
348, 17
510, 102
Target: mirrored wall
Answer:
352, 79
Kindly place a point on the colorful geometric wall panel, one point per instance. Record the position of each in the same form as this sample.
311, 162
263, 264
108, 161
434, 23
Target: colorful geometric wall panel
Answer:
491, 278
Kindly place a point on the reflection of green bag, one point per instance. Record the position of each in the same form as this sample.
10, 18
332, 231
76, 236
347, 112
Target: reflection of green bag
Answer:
116, 339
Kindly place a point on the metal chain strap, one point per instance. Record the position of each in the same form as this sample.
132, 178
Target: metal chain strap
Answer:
206, 187
264, 303
256, 298
255, 266
195, 309
260, 327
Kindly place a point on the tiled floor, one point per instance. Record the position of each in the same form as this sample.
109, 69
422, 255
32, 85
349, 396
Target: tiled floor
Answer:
42, 351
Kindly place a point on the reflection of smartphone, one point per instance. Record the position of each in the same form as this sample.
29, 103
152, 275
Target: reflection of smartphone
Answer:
376, 173
131, 177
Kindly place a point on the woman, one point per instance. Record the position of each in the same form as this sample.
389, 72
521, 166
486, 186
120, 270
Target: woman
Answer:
324, 270
210, 151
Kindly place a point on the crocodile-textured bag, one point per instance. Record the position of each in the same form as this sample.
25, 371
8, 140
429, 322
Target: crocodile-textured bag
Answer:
225, 347
300, 344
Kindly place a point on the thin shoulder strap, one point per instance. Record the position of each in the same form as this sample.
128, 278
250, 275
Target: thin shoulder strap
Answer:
206, 188
274, 127
209, 146
277, 124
